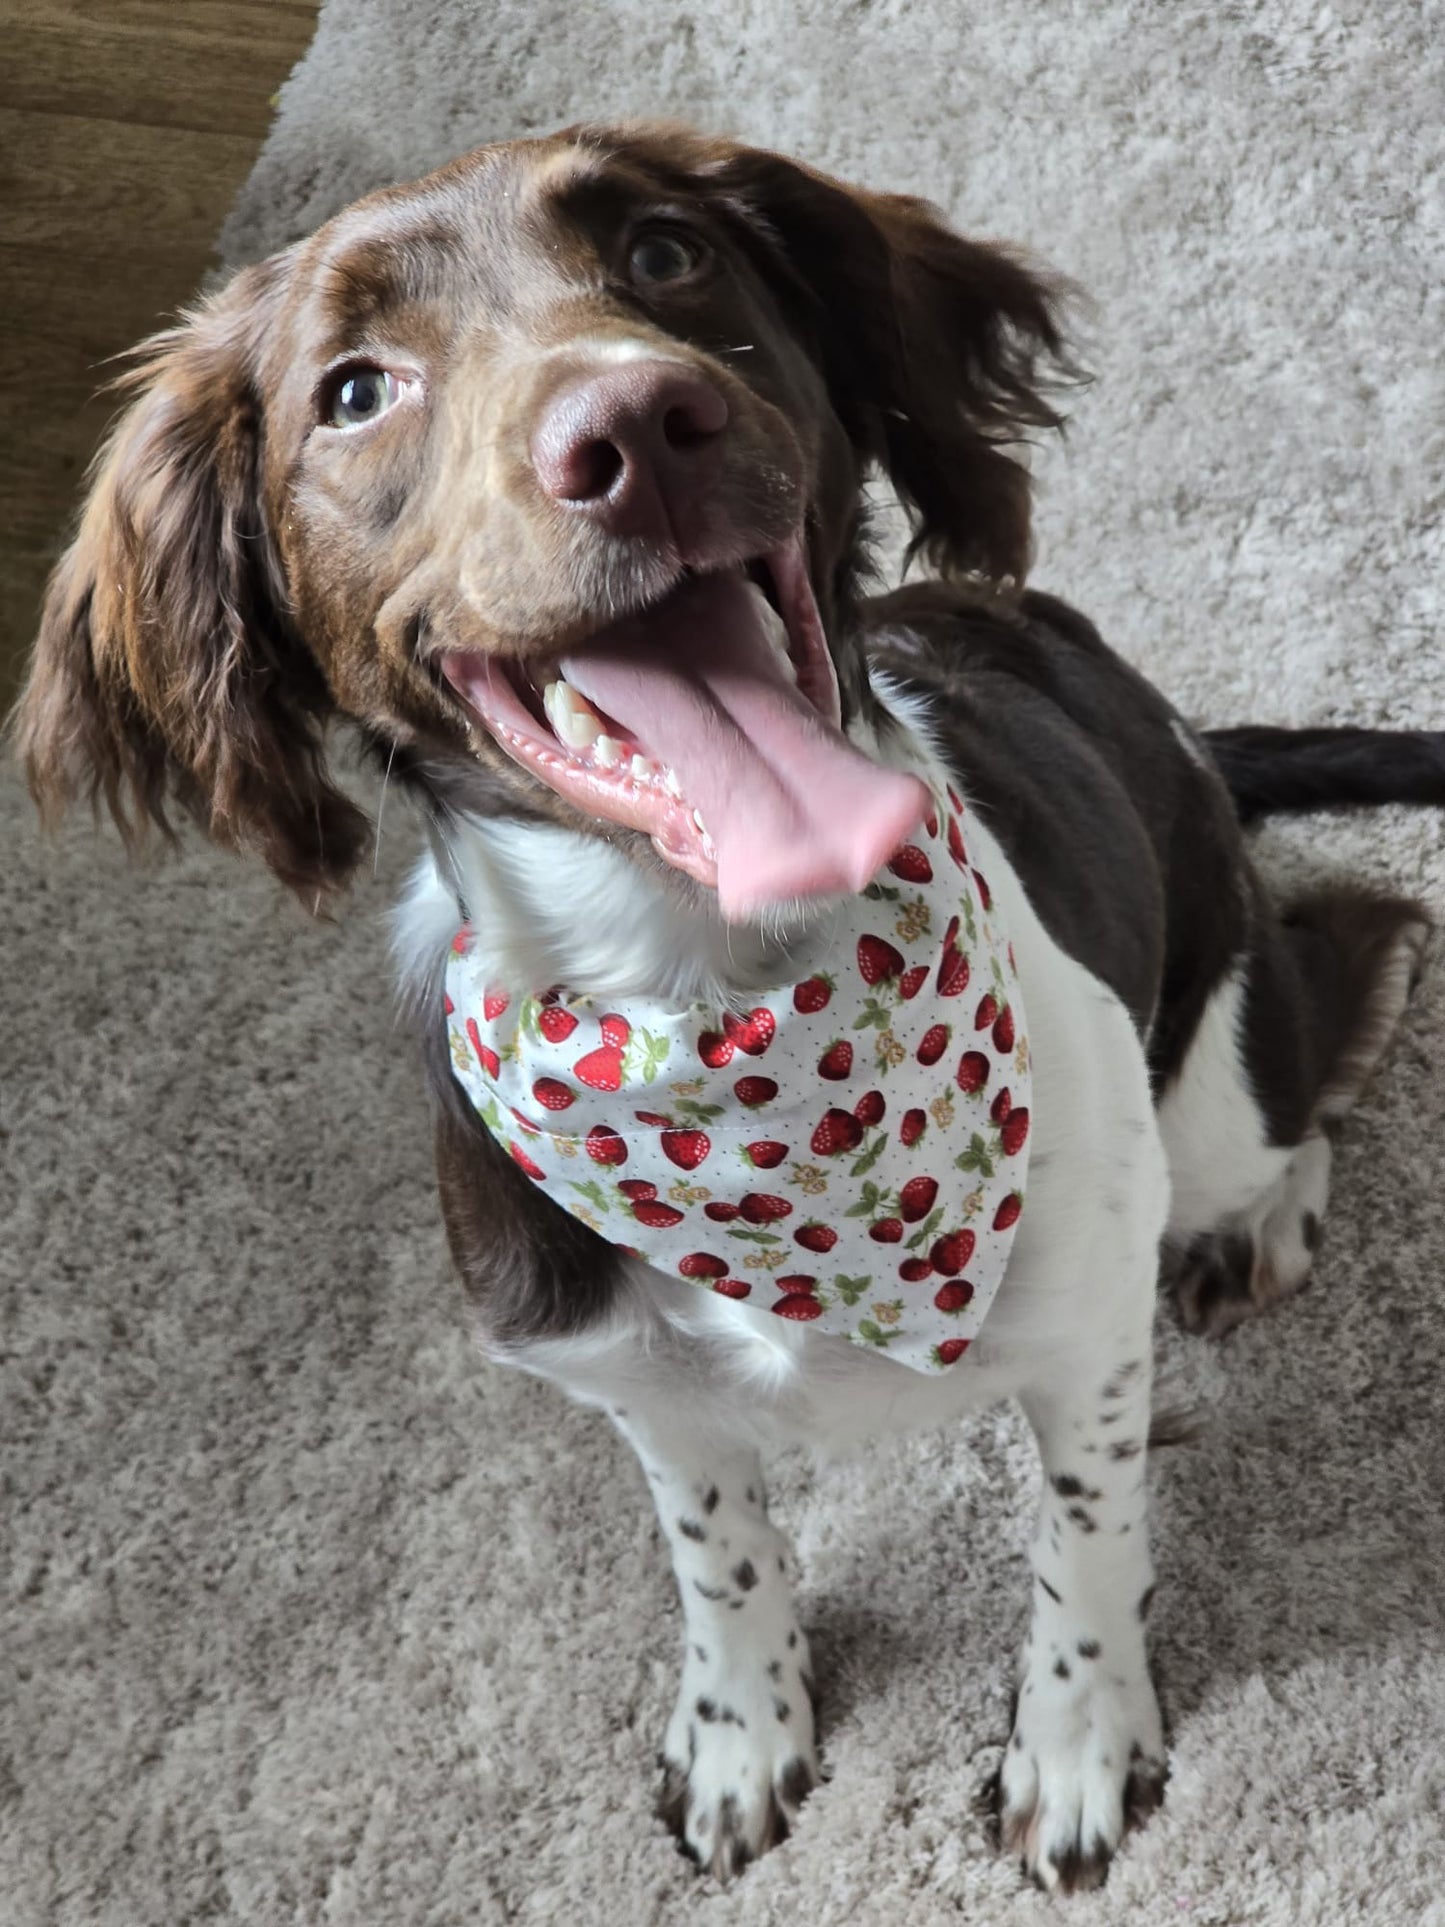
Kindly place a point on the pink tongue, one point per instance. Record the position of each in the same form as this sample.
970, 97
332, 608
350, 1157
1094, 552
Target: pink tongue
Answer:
792, 808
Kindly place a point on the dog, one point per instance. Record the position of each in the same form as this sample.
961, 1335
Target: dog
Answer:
546, 474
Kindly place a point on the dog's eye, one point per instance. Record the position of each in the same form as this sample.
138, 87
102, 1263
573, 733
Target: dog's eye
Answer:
663, 255
361, 395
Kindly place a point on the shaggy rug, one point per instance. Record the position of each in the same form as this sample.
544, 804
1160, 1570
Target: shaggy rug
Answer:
310, 1617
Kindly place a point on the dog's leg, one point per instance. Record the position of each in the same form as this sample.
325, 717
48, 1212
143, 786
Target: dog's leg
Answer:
1086, 1758
739, 1756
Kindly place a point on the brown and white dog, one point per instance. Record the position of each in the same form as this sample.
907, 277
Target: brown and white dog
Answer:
553, 407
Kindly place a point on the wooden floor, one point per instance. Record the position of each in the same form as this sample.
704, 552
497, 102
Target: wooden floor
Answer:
126, 127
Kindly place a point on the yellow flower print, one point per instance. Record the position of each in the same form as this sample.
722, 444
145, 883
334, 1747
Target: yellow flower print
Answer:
684, 1193
914, 920
589, 1218
765, 1260
889, 1050
887, 1314
690, 1087
1021, 1057
808, 1178
941, 1111
973, 1203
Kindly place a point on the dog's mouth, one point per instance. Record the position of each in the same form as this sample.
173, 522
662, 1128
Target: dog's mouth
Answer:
710, 721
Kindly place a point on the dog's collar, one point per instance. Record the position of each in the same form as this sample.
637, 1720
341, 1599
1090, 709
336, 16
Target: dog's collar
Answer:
850, 1151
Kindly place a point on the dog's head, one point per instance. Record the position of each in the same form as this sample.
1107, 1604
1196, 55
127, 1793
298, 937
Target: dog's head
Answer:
546, 472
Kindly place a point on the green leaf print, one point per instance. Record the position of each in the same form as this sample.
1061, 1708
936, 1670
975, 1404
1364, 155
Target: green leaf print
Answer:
924, 1234
871, 1156
882, 893
754, 1237
527, 1020
872, 1334
874, 1016
645, 1055
976, 1157
593, 1193
871, 1200
850, 1290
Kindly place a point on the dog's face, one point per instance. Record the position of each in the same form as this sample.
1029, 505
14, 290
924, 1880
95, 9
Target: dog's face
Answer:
546, 472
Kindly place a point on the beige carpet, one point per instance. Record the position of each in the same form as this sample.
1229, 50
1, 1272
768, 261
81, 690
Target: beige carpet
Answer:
309, 1617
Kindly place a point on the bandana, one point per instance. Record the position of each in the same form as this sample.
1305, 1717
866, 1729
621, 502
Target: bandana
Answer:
849, 1151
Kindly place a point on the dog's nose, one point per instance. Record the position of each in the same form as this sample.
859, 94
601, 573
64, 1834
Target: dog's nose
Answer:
633, 446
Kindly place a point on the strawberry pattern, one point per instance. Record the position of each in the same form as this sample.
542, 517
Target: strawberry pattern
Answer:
869, 1123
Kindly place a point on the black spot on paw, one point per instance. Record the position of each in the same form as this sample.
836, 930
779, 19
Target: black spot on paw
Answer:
1061, 1668
706, 1711
1089, 1649
711, 1592
709, 1499
690, 1529
745, 1575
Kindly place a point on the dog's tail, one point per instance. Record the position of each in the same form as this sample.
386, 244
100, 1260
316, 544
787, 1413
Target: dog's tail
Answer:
1268, 771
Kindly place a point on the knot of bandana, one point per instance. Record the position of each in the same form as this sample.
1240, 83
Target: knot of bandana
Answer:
850, 1150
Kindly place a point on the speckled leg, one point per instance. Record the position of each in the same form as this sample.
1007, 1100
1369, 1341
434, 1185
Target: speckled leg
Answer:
1086, 1759
739, 1755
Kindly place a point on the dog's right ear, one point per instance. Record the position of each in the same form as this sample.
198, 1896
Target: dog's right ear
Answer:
165, 671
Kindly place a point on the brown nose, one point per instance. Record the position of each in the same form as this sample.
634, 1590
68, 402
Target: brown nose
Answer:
633, 448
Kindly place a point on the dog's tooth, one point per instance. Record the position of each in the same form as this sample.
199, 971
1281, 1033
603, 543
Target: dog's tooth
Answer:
775, 630
670, 782
607, 751
574, 721
643, 768
698, 822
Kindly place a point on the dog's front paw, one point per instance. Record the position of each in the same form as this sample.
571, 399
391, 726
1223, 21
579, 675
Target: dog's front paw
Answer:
739, 1759
1083, 1767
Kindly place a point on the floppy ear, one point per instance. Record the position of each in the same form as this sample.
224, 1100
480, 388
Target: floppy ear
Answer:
164, 671
939, 352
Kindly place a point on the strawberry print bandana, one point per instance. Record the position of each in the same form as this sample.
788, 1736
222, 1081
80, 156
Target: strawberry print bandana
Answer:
850, 1151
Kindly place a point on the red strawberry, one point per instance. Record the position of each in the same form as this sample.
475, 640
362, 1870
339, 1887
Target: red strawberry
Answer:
1001, 1105
556, 1025
914, 1270
815, 1237
637, 1189
1008, 1212
526, 1163
615, 1031
934, 1043
752, 1033
552, 1094
1003, 1031
462, 941
915, 1200
985, 895
720, 1212
953, 972
955, 845
685, 1149
878, 959
801, 1305
930, 823
812, 995
950, 935
954, 798
953, 1297
753, 1091
837, 1060
732, 1287
715, 1050
448, 1004
494, 1002
1015, 1131
870, 1108
986, 1012
655, 1215
654, 1118
837, 1131
914, 1124
911, 864
600, 1070
912, 981
952, 1253
760, 1207
766, 1154
702, 1264
796, 1281
887, 1231
951, 1350
604, 1146
486, 1056
973, 1071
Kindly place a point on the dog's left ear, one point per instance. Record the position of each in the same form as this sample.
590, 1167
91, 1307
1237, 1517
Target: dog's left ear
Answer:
940, 353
